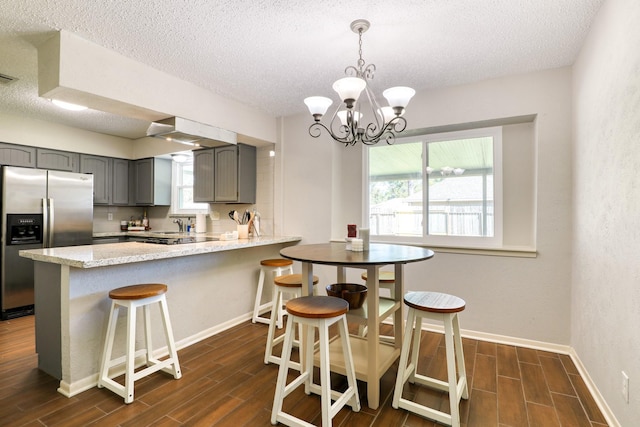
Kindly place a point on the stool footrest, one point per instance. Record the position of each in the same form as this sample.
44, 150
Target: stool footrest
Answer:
433, 414
277, 360
292, 421
299, 380
340, 398
262, 309
441, 385
157, 365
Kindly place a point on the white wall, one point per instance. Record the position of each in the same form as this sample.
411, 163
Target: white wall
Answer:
519, 297
606, 271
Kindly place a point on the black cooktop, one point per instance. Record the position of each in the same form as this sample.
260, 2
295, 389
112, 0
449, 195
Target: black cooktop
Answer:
177, 240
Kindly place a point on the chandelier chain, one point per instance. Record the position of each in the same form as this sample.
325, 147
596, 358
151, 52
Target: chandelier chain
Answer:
360, 61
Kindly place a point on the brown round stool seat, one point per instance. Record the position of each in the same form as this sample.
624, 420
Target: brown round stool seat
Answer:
276, 262
434, 302
317, 307
292, 280
138, 291
383, 276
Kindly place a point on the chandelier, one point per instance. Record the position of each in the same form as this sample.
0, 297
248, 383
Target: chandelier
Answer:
346, 125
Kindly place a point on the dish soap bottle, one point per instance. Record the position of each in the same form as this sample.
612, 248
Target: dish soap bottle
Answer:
145, 220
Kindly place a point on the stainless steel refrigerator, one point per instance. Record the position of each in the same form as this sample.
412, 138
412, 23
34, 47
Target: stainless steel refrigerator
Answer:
40, 209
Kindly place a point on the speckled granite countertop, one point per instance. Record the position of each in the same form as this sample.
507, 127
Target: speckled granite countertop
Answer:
91, 256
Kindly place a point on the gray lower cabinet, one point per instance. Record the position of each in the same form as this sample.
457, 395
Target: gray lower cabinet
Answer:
57, 160
152, 182
225, 174
17, 155
100, 168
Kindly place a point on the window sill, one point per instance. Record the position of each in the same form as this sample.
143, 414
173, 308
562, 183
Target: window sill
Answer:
517, 252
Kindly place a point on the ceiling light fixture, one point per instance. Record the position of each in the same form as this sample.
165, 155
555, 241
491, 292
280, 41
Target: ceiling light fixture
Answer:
179, 157
68, 105
387, 121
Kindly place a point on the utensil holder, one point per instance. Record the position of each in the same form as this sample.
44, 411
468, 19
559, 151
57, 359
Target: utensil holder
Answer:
243, 231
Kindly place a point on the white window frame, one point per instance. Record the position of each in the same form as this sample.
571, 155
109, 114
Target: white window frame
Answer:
175, 192
470, 242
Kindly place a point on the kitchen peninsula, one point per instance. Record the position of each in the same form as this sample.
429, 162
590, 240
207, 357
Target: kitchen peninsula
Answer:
211, 287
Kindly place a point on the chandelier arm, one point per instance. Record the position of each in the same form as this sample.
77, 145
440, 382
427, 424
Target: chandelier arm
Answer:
351, 71
315, 130
369, 71
375, 108
388, 132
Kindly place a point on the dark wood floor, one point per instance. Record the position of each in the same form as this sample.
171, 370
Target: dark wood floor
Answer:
225, 383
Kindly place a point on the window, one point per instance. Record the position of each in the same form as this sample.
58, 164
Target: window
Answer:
182, 202
439, 189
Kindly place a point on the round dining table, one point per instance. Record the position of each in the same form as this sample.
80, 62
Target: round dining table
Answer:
372, 357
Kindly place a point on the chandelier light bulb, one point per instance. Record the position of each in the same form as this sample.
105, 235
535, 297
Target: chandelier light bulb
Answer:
458, 171
318, 105
398, 98
349, 89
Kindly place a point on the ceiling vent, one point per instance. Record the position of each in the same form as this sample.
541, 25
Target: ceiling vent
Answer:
6, 80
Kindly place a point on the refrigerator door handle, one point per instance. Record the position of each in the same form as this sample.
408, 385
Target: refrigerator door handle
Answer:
45, 224
51, 223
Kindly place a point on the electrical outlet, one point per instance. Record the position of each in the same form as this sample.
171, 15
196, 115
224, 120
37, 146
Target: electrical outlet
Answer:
215, 215
625, 386
109, 216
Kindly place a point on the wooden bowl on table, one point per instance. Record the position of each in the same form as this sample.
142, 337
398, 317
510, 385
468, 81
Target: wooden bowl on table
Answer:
355, 294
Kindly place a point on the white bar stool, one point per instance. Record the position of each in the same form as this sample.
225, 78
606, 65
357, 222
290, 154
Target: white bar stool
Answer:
277, 267
435, 306
132, 297
316, 312
290, 284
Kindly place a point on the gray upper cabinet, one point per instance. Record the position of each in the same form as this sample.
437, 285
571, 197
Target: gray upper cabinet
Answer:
225, 181
225, 174
110, 179
57, 160
100, 168
120, 182
203, 166
152, 182
17, 155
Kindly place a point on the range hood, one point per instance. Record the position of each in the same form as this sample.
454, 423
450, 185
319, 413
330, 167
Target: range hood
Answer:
188, 132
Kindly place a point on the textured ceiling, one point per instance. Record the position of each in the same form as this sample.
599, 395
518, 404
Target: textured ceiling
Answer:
270, 54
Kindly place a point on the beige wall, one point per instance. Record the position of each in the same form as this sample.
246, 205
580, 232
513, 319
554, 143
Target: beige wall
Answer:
518, 297
606, 222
